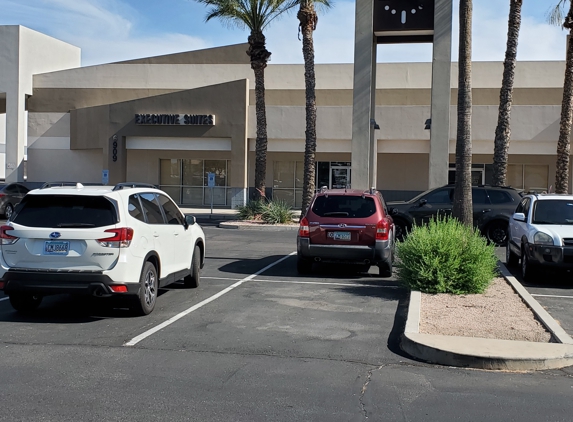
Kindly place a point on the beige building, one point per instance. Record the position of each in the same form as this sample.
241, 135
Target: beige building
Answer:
172, 119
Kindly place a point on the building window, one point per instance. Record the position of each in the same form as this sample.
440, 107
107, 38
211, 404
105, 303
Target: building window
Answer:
528, 176
186, 181
288, 177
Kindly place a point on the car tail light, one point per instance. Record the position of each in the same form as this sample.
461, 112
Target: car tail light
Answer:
118, 288
382, 230
122, 238
5, 238
2, 194
303, 230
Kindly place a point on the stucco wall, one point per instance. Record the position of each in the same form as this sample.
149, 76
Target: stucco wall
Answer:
57, 164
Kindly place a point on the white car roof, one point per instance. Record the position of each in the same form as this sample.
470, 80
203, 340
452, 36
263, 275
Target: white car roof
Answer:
545, 196
90, 190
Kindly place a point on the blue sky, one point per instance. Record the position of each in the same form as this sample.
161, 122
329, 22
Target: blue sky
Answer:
113, 30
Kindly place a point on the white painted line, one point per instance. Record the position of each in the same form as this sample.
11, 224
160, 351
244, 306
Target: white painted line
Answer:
306, 282
566, 297
177, 317
4, 298
325, 283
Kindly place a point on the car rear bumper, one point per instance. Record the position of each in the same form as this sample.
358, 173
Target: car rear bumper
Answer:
551, 256
46, 283
381, 252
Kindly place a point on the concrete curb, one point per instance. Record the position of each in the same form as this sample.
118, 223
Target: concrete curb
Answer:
260, 227
485, 353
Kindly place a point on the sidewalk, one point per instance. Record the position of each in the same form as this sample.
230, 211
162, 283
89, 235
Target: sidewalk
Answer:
204, 214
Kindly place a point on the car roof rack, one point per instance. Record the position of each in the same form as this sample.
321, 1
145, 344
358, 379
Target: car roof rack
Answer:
130, 185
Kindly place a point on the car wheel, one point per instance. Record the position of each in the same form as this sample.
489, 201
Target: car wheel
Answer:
193, 279
401, 229
385, 270
496, 232
8, 211
148, 286
511, 259
25, 302
527, 272
303, 265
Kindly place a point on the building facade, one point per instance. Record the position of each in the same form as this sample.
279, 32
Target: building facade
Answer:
170, 120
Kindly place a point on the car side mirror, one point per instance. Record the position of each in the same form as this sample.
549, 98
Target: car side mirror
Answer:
519, 216
422, 202
190, 220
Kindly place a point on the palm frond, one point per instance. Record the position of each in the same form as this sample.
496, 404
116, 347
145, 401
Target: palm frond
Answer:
556, 15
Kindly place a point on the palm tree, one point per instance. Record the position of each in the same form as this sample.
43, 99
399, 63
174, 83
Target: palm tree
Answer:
308, 19
503, 130
563, 144
256, 15
462, 207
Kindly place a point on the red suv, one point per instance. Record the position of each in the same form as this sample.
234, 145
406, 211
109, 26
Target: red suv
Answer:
346, 226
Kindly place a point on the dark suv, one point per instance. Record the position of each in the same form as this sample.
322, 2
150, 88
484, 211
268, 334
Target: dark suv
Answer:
346, 226
492, 207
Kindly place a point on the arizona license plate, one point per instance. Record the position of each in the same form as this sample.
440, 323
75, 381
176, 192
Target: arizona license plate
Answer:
56, 248
339, 235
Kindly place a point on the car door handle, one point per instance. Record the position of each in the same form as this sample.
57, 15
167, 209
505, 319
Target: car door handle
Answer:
488, 210
155, 234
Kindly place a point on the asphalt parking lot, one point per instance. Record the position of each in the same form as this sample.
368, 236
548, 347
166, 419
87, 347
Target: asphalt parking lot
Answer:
256, 342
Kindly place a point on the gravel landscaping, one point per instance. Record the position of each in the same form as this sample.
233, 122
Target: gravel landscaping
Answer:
499, 313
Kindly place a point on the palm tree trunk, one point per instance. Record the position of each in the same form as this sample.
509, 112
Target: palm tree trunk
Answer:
259, 58
503, 129
462, 209
563, 145
308, 18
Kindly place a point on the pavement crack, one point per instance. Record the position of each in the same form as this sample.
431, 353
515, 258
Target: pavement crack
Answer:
365, 387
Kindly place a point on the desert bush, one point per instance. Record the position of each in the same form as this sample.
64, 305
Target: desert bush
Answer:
252, 211
446, 256
277, 212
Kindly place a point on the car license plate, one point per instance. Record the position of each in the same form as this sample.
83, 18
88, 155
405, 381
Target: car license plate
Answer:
56, 248
339, 235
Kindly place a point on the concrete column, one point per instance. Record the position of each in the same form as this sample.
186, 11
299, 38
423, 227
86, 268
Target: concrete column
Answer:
441, 94
15, 135
363, 95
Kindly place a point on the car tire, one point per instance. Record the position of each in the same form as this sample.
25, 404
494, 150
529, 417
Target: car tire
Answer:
401, 229
148, 289
194, 279
385, 270
8, 211
303, 265
511, 259
527, 271
496, 232
25, 302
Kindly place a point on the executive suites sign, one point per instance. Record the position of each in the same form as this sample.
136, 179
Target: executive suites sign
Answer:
175, 119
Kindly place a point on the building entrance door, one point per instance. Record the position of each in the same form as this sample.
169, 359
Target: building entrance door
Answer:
333, 175
339, 177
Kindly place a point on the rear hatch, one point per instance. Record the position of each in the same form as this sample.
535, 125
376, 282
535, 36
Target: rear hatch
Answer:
343, 220
61, 232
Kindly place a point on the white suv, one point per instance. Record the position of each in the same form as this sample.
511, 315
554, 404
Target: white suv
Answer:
541, 233
128, 240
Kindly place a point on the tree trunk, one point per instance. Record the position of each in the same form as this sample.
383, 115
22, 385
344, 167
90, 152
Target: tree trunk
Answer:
563, 145
462, 209
503, 129
308, 18
259, 58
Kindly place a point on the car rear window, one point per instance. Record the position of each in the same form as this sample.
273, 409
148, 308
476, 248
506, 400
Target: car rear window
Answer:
344, 206
499, 197
66, 211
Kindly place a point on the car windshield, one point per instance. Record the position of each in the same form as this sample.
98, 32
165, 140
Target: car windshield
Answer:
344, 206
65, 211
553, 211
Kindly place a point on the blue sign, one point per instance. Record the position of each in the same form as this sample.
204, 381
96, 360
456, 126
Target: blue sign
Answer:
105, 177
211, 180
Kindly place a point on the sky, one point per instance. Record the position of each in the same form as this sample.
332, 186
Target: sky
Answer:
115, 30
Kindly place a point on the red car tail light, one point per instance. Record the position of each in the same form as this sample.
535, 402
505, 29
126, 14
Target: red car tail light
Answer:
5, 238
118, 288
382, 230
122, 238
303, 230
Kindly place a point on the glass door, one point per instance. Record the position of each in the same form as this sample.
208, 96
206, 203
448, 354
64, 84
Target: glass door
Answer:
339, 177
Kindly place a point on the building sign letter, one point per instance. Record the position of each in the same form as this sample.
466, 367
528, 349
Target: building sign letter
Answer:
175, 119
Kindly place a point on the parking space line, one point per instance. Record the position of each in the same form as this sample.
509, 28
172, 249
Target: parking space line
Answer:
177, 317
565, 297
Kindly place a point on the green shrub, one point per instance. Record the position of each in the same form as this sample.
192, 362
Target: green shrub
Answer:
252, 211
446, 256
277, 212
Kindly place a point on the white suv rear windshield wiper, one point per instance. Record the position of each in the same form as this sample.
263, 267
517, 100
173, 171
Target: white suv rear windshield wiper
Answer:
71, 225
